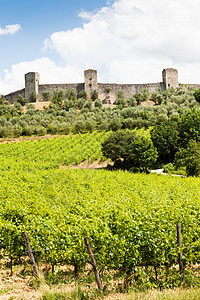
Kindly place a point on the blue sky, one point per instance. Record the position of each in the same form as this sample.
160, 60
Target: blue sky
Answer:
38, 19
127, 41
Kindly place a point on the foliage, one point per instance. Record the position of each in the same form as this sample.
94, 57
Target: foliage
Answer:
73, 95
108, 90
169, 168
189, 127
176, 104
46, 95
98, 103
197, 95
22, 100
33, 96
189, 158
115, 123
83, 94
165, 138
130, 151
87, 104
80, 103
95, 95
120, 94
130, 219
58, 96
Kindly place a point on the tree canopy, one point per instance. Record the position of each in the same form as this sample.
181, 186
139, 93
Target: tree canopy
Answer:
130, 151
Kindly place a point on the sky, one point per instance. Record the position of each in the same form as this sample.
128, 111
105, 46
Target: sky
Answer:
127, 41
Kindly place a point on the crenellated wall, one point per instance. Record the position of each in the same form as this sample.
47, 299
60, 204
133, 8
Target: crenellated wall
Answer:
107, 91
13, 96
52, 87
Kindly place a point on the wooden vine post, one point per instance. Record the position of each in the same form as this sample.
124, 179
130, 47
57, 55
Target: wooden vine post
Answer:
180, 254
30, 254
94, 264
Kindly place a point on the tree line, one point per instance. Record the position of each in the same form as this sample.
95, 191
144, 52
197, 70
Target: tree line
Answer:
68, 112
174, 144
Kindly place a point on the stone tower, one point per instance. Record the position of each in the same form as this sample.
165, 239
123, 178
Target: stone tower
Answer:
170, 78
90, 81
32, 80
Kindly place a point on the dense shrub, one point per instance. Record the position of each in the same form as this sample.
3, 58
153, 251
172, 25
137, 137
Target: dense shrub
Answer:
189, 127
197, 95
22, 100
165, 137
130, 151
40, 130
46, 95
95, 95
189, 158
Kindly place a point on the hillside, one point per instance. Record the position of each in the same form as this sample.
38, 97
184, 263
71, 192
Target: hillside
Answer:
129, 218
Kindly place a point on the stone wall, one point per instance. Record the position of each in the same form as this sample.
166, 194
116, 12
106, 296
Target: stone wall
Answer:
52, 87
108, 91
186, 86
13, 96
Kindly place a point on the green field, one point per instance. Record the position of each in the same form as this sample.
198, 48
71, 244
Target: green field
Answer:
50, 153
130, 218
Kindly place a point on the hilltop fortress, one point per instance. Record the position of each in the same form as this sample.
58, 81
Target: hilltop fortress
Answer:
107, 91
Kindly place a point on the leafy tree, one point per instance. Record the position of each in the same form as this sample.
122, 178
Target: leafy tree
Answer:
189, 158
46, 95
145, 94
22, 100
73, 95
154, 96
120, 95
129, 123
65, 128
80, 103
132, 102
115, 123
83, 94
138, 97
79, 126
165, 137
130, 151
162, 118
68, 104
120, 103
197, 95
40, 130
17, 109
58, 97
95, 95
98, 103
189, 127
104, 125
2, 100
88, 105
90, 125
33, 96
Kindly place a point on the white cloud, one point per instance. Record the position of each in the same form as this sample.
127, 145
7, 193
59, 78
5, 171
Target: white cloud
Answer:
132, 40
10, 29
49, 73
127, 41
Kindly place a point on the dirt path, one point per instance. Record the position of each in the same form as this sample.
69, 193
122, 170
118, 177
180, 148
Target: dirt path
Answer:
20, 139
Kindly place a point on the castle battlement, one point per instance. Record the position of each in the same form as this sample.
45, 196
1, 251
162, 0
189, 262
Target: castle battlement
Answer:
107, 91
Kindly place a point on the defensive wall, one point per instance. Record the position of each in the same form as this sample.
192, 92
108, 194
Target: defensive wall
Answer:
107, 91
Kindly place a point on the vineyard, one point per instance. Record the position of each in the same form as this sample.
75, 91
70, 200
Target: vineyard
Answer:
51, 152
130, 219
